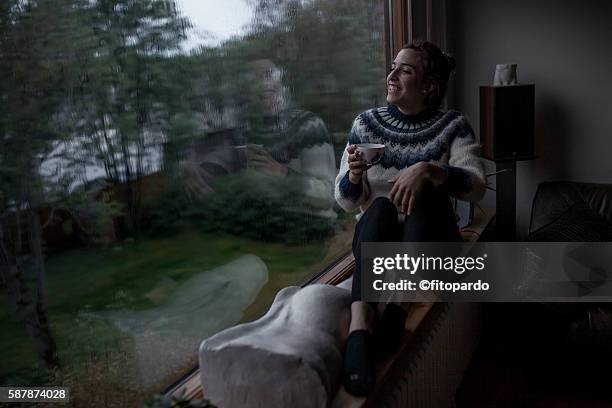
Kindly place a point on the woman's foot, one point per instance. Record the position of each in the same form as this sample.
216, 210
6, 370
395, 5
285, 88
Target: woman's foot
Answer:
358, 374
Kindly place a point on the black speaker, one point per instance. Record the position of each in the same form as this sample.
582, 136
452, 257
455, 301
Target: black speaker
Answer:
507, 122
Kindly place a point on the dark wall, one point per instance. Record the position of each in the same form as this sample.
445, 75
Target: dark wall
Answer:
565, 48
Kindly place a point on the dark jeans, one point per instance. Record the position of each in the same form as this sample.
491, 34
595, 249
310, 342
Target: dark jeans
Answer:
432, 220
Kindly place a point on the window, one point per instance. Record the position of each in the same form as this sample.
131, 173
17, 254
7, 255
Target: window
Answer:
166, 167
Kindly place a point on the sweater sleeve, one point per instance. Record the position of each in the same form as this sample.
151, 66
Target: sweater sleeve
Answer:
318, 168
465, 169
315, 165
348, 195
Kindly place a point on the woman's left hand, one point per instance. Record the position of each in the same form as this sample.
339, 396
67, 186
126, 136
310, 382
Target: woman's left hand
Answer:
261, 160
407, 184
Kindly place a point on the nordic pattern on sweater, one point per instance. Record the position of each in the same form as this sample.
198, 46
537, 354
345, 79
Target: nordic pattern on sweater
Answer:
442, 138
286, 134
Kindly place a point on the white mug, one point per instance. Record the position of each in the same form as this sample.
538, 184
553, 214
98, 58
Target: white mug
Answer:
371, 152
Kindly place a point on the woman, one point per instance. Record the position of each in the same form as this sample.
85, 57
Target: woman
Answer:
287, 141
277, 167
429, 155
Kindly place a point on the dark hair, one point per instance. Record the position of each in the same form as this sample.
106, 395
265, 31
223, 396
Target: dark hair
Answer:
438, 67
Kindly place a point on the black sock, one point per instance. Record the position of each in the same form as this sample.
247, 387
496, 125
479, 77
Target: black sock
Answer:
389, 331
358, 370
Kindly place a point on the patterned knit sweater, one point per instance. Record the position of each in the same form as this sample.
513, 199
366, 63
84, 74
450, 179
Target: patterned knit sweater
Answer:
299, 139
442, 138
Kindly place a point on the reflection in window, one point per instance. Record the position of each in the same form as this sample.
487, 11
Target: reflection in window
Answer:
161, 181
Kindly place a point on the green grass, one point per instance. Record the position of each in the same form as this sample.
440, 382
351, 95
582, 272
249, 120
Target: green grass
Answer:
124, 277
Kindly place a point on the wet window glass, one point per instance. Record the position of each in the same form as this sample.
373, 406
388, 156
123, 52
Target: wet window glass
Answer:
166, 167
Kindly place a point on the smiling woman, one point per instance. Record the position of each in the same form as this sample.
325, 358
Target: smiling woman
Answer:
419, 69
429, 155
406, 83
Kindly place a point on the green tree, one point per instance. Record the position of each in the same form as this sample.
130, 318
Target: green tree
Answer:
131, 94
332, 51
36, 57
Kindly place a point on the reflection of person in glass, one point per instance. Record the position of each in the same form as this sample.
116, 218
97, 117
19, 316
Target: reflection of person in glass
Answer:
429, 155
271, 175
288, 142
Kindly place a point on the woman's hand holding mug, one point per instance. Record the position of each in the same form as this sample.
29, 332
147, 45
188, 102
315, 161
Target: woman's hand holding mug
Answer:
258, 158
357, 164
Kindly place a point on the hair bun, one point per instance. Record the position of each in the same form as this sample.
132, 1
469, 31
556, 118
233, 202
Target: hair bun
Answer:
438, 66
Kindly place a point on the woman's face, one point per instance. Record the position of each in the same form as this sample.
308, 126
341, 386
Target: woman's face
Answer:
265, 85
406, 83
